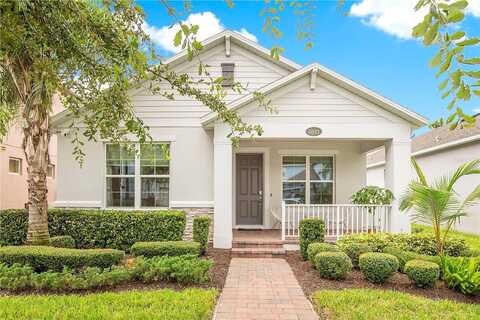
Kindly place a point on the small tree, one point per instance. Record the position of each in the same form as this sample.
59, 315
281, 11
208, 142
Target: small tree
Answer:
372, 195
437, 203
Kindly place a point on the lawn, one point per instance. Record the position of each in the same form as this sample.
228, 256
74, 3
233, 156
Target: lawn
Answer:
195, 304
368, 304
472, 240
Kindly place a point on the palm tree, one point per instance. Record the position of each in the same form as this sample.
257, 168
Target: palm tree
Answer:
437, 203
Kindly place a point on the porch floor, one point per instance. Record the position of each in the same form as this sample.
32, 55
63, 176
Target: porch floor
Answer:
257, 235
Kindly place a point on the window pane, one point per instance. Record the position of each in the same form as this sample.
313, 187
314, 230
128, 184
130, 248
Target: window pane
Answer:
321, 192
293, 168
120, 192
155, 192
120, 161
294, 192
321, 168
15, 165
154, 160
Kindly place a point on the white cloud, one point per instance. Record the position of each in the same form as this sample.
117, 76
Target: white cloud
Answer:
397, 17
208, 23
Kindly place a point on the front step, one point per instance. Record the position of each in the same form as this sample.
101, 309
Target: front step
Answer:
255, 252
275, 244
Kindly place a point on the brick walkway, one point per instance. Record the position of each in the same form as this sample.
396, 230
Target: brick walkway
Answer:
263, 289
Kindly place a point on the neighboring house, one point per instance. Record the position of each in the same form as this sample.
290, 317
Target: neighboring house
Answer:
312, 151
439, 152
13, 167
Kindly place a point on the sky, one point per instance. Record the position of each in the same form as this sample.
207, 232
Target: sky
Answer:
367, 41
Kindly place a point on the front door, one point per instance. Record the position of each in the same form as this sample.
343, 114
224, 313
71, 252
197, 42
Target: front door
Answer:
249, 190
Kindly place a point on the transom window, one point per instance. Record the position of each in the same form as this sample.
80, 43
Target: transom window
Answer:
307, 186
137, 180
15, 165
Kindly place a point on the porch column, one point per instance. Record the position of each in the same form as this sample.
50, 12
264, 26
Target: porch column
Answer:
397, 177
223, 191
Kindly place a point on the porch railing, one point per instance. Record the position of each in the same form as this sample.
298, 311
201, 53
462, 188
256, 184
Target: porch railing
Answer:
339, 219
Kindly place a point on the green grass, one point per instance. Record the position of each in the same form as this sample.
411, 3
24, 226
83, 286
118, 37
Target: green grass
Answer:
472, 240
369, 304
195, 304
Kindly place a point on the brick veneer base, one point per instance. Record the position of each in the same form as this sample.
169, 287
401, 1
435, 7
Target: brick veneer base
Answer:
191, 213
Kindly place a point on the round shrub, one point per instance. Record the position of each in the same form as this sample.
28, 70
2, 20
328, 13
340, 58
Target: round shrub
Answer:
317, 247
378, 267
333, 265
62, 242
354, 250
423, 273
311, 230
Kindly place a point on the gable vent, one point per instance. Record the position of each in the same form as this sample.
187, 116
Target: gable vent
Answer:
228, 74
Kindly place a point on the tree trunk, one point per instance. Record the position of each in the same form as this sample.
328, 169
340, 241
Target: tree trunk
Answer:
36, 137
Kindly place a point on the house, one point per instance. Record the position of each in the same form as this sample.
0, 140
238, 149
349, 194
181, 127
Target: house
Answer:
311, 154
439, 152
13, 167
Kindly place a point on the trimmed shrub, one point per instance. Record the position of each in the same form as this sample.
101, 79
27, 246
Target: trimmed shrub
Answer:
98, 228
423, 273
317, 247
201, 231
421, 243
165, 248
332, 265
377, 267
42, 258
311, 230
405, 256
62, 242
354, 250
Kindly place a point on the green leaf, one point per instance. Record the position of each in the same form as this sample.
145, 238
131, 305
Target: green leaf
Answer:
473, 74
476, 92
431, 34
455, 16
437, 59
457, 35
451, 104
420, 29
443, 84
459, 5
178, 38
469, 42
471, 61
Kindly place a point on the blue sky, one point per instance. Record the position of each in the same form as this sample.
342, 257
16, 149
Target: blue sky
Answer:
371, 46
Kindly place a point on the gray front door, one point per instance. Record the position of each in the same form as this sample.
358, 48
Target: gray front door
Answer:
249, 190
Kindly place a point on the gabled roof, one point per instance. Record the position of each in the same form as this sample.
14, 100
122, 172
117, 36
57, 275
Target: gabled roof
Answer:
240, 40
335, 78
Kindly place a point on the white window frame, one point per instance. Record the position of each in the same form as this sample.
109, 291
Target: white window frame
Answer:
53, 171
137, 180
307, 180
20, 163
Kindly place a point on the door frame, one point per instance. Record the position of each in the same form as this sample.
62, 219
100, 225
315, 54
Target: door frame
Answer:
265, 152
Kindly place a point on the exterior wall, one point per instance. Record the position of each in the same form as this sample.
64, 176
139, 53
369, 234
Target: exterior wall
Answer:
13, 187
441, 163
191, 170
376, 176
349, 164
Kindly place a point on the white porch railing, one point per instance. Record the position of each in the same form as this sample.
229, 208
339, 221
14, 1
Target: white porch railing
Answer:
339, 219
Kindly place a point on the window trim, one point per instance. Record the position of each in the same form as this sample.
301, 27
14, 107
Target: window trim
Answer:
20, 166
137, 179
307, 180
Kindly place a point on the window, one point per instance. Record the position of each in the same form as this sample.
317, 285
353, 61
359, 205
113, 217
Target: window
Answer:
307, 186
228, 74
15, 165
51, 171
137, 181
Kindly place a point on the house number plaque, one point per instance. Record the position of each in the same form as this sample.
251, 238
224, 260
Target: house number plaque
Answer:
313, 131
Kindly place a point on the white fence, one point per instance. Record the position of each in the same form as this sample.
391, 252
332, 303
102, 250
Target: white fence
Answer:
339, 219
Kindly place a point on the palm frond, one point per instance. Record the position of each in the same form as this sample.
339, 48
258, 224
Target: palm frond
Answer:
418, 170
472, 167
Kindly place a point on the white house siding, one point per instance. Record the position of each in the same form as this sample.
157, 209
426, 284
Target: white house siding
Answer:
442, 163
376, 176
349, 164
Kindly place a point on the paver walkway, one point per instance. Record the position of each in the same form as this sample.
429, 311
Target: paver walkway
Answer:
263, 289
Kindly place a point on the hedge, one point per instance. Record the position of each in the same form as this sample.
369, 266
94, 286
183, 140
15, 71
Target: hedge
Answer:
165, 248
201, 231
311, 230
317, 247
42, 258
332, 265
354, 250
62, 242
405, 256
423, 273
377, 267
420, 243
98, 228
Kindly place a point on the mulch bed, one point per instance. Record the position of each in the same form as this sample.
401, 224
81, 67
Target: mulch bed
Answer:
218, 275
310, 282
